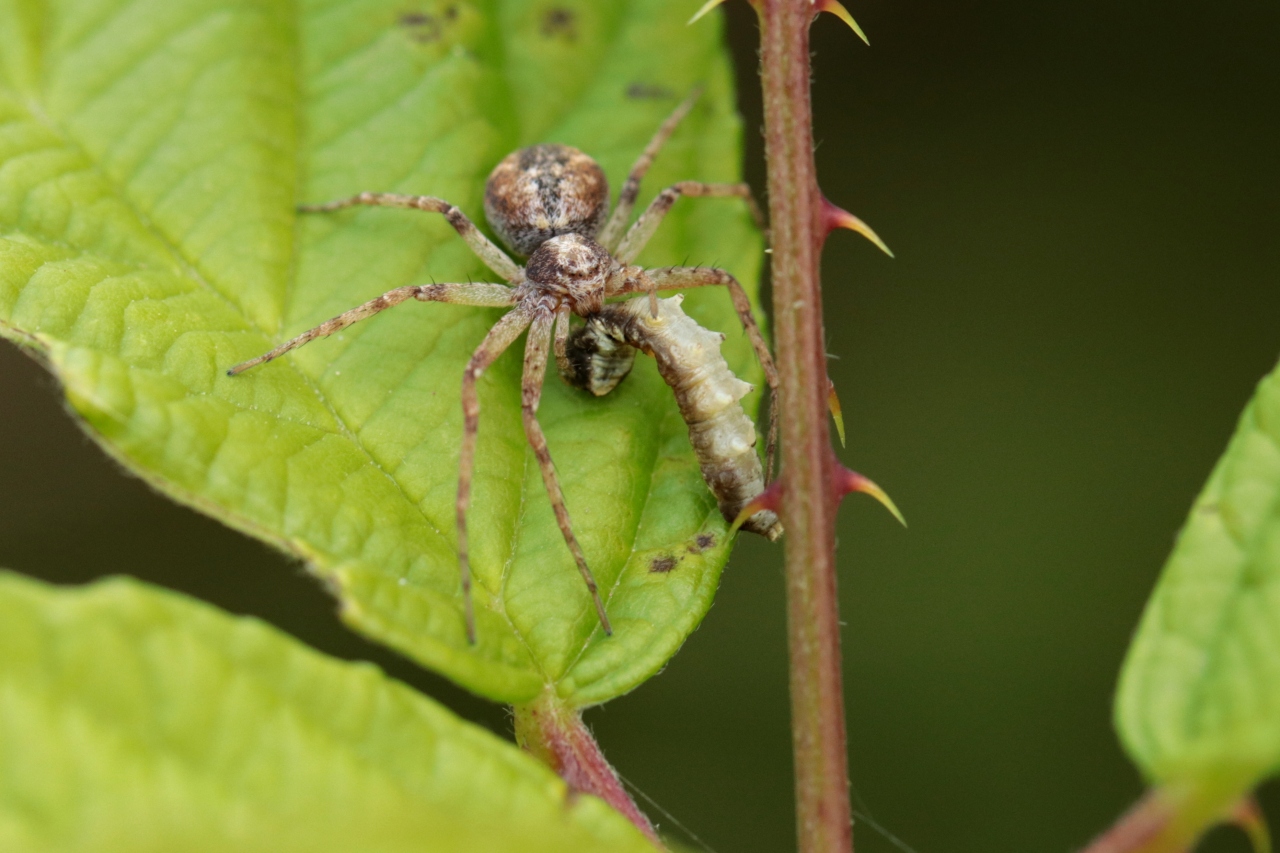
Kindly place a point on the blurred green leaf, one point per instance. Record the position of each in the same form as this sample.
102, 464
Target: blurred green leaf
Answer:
1198, 706
151, 154
135, 719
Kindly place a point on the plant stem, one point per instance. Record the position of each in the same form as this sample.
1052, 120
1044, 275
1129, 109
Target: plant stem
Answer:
797, 230
1170, 819
555, 734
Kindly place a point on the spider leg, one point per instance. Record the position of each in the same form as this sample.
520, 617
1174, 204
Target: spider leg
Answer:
496, 259
649, 221
535, 367
492, 295
563, 313
501, 336
682, 278
612, 231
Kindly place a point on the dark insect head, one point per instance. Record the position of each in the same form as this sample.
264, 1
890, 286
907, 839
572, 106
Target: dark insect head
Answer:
544, 191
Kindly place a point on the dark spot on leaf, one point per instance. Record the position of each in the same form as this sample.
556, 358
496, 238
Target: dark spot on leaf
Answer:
662, 565
559, 23
702, 543
649, 92
424, 28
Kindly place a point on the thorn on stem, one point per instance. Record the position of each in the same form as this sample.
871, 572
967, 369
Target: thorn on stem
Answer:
844, 481
711, 4
770, 498
833, 404
834, 217
834, 7
706, 7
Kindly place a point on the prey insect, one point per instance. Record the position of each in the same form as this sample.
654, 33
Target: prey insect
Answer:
601, 354
549, 203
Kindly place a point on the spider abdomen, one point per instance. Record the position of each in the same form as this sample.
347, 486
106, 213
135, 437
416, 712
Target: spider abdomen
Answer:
544, 191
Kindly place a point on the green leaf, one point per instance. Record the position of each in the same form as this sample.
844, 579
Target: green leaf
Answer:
151, 154
135, 719
1198, 706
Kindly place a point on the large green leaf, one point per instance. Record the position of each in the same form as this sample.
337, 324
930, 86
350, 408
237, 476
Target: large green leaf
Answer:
1199, 699
133, 719
151, 154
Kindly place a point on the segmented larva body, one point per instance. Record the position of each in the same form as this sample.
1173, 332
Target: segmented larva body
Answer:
600, 355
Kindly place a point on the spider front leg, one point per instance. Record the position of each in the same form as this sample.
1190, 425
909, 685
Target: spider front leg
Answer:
631, 188
501, 336
496, 259
484, 295
682, 278
563, 313
535, 368
649, 221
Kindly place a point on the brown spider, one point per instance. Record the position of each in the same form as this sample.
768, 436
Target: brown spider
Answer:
549, 203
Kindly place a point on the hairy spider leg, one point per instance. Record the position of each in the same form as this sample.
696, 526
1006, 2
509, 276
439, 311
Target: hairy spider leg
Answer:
535, 366
488, 251
612, 231
483, 295
501, 336
648, 222
682, 278
563, 314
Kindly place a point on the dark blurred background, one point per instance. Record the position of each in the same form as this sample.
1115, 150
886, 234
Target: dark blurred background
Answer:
1083, 200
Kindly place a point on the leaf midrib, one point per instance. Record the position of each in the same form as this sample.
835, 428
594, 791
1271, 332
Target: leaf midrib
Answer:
1201, 697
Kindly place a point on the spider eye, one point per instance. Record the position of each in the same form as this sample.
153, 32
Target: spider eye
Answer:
545, 191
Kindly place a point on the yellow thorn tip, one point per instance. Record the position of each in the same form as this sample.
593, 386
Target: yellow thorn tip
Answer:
835, 8
747, 511
706, 7
837, 415
845, 219
869, 488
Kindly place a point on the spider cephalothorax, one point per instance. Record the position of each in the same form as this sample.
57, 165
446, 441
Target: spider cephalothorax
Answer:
549, 203
575, 269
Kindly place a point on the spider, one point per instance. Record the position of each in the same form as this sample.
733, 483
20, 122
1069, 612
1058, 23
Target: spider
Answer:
549, 203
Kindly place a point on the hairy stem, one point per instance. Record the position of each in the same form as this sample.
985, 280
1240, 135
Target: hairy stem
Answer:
556, 735
797, 230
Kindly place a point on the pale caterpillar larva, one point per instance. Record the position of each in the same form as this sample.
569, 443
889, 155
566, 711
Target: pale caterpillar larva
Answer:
600, 354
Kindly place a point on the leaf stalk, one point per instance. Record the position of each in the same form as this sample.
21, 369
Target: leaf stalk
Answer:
555, 734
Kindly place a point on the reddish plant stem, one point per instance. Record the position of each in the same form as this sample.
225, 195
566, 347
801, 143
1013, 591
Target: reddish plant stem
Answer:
1145, 827
1172, 818
556, 735
823, 820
